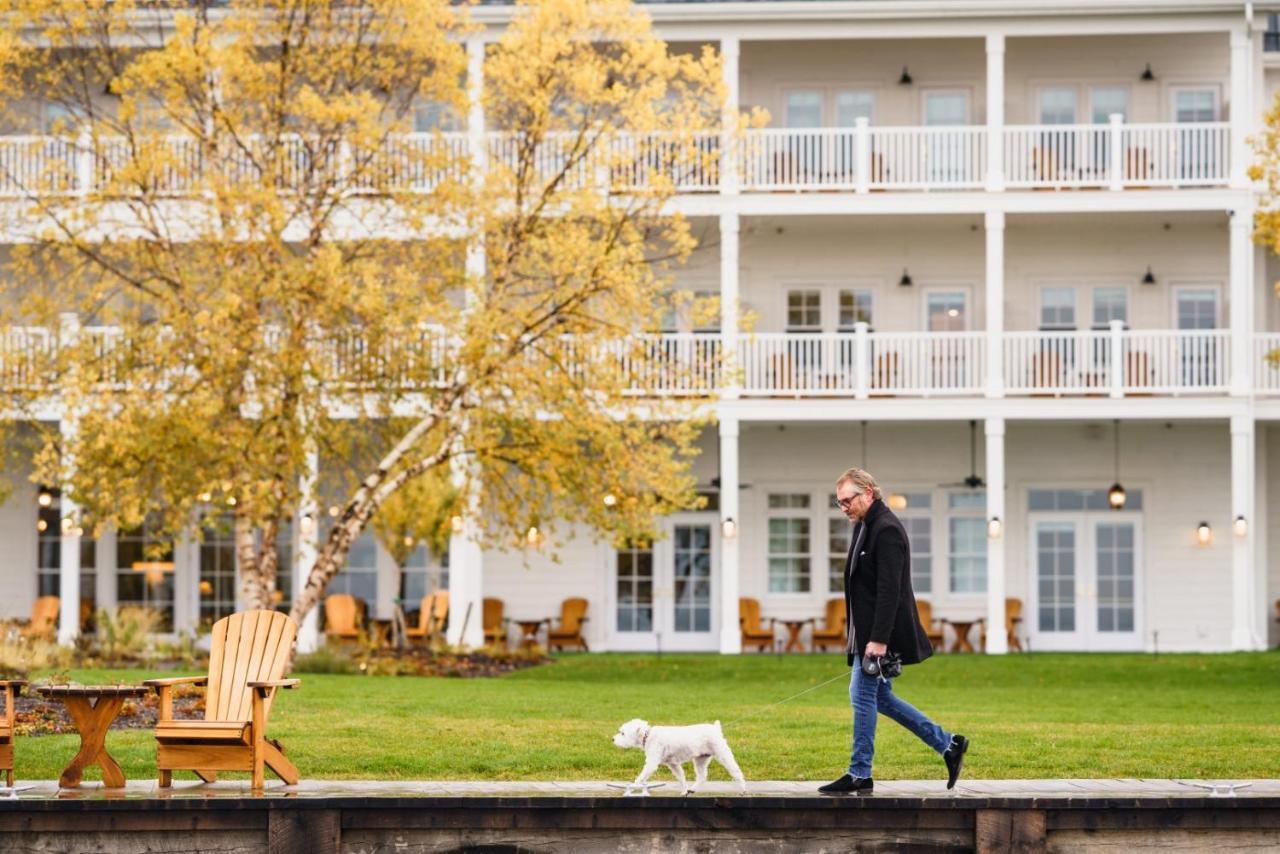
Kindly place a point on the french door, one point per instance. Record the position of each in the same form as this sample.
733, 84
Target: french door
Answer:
1086, 582
664, 593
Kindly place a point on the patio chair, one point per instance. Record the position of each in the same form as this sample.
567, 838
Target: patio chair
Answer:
341, 617
1012, 616
749, 621
932, 628
247, 659
433, 616
573, 613
12, 688
834, 632
43, 623
495, 625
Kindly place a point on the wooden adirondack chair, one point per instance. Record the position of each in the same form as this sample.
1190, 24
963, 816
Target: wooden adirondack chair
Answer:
495, 629
12, 688
573, 613
44, 618
341, 617
833, 633
931, 628
433, 614
246, 666
749, 621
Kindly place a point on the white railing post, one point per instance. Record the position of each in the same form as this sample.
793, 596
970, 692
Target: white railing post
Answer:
84, 161
862, 154
1117, 358
861, 361
1117, 151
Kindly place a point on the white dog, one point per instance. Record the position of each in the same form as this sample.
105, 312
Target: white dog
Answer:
675, 745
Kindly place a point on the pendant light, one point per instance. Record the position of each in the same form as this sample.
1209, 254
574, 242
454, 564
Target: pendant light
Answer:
1116, 494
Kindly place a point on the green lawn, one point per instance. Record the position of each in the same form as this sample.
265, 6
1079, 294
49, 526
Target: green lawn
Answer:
1043, 715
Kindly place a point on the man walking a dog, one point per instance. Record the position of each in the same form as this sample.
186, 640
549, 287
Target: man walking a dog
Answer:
883, 625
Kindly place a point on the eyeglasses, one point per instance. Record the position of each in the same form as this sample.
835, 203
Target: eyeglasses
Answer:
846, 503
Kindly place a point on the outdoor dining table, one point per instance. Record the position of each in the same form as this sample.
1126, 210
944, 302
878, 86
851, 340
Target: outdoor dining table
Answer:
529, 632
793, 634
92, 708
961, 628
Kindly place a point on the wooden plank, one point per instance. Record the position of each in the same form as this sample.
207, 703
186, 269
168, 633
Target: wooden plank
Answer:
135, 820
217, 652
262, 670
238, 695
221, 757
1236, 817
993, 832
303, 831
209, 731
262, 622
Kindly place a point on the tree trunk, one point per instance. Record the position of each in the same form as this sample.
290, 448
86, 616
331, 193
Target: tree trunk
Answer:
253, 589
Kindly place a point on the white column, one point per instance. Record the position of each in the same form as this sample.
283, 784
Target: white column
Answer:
69, 560
475, 99
730, 49
1242, 114
730, 571
729, 299
466, 583
995, 303
997, 521
307, 527
1243, 595
1240, 300
995, 112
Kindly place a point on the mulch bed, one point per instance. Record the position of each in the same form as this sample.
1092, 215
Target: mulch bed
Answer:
34, 715
419, 661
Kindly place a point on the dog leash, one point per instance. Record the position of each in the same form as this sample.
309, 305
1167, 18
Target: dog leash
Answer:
789, 699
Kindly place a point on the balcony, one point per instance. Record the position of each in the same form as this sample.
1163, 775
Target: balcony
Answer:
858, 159
860, 364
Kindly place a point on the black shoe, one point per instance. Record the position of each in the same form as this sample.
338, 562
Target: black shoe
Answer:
954, 757
848, 783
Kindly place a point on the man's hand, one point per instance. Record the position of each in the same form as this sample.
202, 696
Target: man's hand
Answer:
875, 649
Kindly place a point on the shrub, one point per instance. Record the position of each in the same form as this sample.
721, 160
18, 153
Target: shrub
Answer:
326, 659
19, 657
126, 634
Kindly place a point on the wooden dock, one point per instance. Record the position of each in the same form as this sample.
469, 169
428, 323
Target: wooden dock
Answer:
587, 817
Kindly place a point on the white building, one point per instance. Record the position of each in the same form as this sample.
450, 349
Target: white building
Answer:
1031, 217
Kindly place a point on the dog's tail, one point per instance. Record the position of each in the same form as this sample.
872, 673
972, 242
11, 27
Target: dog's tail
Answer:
717, 725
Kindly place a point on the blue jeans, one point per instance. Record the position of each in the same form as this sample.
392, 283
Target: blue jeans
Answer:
871, 695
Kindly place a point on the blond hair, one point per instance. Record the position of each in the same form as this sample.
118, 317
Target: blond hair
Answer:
864, 480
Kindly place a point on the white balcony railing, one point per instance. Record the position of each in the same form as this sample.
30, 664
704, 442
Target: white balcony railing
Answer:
861, 364
1117, 155
1266, 363
858, 159
1086, 362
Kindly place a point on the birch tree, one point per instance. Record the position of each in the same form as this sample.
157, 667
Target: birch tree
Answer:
251, 261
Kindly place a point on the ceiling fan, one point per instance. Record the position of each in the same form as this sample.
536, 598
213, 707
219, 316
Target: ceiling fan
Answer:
973, 481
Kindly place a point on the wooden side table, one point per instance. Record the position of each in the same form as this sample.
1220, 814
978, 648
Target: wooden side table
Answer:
92, 708
961, 628
529, 632
794, 628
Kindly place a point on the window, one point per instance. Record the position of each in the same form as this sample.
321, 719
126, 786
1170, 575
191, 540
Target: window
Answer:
1271, 37
967, 540
49, 555
705, 315
359, 576
1058, 105
804, 109
839, 530
1105, 100
1195, 105
789, 543
429, 116
1079, 499
1197, 308
804, 311
1058, 308
946, 108
635, 588
418, 579
946, 311
144, 572
917, 520
218, 570
855, 307
1110, 304
853, 105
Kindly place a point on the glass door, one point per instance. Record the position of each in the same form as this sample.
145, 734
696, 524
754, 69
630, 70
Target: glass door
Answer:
1085, 584
664, 592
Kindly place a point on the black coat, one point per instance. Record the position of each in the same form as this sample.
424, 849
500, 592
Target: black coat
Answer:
877, 588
